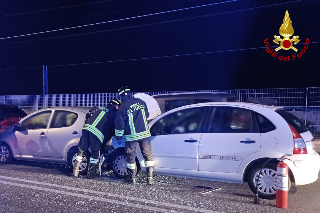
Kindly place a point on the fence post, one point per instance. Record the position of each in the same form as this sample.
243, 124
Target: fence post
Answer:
36, 105
99, 103
43, 101
73, 97
60, 100
53, 102
306, 110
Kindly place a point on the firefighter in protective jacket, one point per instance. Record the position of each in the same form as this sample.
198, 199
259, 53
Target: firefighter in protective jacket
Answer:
98, 129
131, 123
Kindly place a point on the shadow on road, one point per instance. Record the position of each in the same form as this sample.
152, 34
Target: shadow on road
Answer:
38, 167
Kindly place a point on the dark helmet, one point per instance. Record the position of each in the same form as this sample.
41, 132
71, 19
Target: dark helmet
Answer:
115, 102
124, 91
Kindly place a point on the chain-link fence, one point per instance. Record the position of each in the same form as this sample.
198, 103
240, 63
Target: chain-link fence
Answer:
302, 102
312, 115
29, 103
287, 97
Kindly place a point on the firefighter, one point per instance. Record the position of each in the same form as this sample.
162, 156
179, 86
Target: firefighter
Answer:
98, 129
131, 123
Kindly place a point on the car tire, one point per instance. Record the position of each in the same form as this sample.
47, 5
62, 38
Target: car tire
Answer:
267, 189
5, 153
118, 164
84, 164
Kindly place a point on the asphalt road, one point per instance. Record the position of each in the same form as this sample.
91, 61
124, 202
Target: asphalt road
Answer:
44, 187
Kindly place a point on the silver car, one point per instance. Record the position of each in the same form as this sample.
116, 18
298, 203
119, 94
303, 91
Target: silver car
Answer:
49, 135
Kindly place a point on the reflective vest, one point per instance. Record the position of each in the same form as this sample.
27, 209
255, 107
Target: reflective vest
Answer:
101, 121
131, 120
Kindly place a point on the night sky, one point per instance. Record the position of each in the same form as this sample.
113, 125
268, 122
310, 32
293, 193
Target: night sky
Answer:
210, 47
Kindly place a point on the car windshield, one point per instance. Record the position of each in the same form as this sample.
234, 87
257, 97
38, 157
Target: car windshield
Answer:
293, 121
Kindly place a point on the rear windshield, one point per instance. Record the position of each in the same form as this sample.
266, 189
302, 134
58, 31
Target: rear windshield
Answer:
293, 121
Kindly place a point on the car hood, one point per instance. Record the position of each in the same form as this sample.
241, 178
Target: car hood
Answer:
152, 104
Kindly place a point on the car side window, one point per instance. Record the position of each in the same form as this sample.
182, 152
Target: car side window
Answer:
230, 120
172, 104
63, 119
197, 101
38, 121
265, 125
180, 122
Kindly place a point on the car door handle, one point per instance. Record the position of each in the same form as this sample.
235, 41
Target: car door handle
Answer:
190, 141
247, 142
75, 133
42, 134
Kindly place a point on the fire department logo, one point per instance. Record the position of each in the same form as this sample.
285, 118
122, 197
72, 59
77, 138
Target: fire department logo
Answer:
285, 41
286, 31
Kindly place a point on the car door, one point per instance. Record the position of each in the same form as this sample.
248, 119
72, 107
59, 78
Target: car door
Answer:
31, 139
232, 135
175, 139
63, 129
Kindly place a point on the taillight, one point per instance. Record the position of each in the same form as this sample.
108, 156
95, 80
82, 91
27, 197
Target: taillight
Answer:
299, 144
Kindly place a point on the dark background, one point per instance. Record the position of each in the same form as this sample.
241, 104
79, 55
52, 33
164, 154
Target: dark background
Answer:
234, 26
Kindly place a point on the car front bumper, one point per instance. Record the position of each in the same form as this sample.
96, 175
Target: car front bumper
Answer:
304, 168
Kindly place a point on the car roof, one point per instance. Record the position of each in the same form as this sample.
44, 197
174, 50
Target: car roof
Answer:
79, 109
243, 104
6, 106
191, 93
12, 110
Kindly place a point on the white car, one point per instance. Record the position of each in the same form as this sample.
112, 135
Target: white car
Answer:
49, 135
228, 141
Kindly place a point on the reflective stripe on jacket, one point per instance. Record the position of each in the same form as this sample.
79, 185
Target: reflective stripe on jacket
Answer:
101, 122
131, 120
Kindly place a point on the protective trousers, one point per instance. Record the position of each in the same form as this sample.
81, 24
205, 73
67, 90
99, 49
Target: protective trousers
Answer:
89, 140
146, 150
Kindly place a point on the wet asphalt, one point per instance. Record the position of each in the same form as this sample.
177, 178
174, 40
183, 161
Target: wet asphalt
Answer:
46, 187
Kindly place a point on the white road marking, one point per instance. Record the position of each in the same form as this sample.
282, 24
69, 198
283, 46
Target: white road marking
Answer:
177, 206
86, 196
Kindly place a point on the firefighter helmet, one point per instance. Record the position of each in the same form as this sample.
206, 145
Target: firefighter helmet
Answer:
123, 91
115, 102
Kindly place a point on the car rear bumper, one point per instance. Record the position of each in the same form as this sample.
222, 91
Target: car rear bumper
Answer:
305, 168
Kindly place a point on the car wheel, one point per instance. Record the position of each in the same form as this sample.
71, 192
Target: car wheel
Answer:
84, 163
5, 153
119, 164
266, 180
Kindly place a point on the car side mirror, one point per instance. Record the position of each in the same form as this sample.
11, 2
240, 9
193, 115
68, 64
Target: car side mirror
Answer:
157, 132
17, 127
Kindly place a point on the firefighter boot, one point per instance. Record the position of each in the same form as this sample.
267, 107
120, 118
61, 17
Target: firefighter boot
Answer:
132, 175
150, 174
77, 163
93, 169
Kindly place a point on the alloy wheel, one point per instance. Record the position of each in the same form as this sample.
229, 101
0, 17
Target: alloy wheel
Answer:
83, 164
4, 153
266, 181
120, 165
